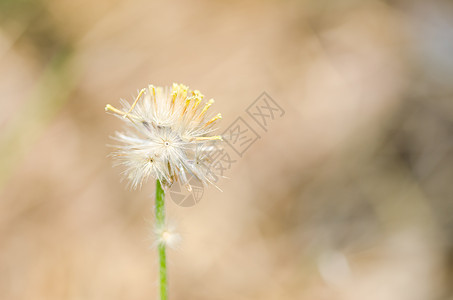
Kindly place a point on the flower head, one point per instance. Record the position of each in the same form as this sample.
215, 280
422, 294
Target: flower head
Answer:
169, 136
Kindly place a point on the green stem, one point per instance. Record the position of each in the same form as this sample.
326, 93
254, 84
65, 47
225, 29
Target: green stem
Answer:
160, 224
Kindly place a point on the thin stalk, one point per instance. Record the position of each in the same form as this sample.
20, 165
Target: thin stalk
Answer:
160, 223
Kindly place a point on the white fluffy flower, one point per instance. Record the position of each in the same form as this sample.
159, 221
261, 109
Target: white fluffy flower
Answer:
167, 235
169, 136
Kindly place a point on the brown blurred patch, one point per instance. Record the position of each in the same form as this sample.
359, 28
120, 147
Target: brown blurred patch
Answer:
347, 196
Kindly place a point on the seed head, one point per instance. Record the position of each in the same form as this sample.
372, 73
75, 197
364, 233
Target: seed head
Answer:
169, 136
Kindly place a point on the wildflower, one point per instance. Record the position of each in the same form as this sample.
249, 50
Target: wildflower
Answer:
169, 136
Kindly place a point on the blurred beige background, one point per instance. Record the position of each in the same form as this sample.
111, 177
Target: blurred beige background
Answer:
347, 196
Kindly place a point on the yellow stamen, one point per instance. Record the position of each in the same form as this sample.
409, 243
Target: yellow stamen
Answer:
205, 109
217, 117
152, 89
209, 138
198, 97
110, 108
197, 94
183, 90
195, 106
136, 100
177, 91
186, 106
174, 94
114, 110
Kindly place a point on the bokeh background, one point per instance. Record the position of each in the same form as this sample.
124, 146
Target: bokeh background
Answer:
347, 196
